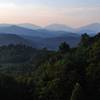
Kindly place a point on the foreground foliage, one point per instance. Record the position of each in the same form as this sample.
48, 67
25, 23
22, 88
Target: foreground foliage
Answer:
66, 74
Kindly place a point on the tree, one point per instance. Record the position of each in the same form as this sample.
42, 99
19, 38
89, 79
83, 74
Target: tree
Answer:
64, 47
84, 40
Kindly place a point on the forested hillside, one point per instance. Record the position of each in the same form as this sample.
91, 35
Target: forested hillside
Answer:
65, 74
20, 59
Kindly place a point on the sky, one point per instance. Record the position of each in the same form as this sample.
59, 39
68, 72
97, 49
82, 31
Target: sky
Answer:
73, 13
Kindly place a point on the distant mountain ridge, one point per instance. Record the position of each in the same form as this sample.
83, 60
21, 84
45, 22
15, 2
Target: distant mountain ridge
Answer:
38, 38
43, 37
13, 29
59, 27
29, 26
7, 39
90, 28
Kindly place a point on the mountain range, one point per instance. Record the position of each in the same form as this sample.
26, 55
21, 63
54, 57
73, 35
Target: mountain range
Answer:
39, 37
6, 39
30, 26
89, 29
59, 27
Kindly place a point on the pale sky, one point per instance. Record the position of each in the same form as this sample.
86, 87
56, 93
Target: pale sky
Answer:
43, 12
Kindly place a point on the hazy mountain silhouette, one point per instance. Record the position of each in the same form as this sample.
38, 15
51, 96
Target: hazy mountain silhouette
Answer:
44, 37
30, 26
6, 39
90, 29
13, 29
5, 25
25, 28
54, 42
59, 27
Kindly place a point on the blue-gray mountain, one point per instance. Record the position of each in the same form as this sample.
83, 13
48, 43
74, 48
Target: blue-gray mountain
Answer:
29, 26
39, 38
50, 36
13, 29
6, 39
59, 27
91, 29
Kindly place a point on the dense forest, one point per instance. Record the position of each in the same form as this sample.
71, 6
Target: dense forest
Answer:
66, 74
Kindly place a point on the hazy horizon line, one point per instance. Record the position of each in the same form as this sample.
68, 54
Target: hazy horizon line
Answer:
73, 26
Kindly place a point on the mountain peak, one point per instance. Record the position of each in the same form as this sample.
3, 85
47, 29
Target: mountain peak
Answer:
91, 29
29, 26
59, 27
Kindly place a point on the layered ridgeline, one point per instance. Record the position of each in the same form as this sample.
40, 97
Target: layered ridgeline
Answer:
65, 74
7, 39
91, 29
50, 36
40, 38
